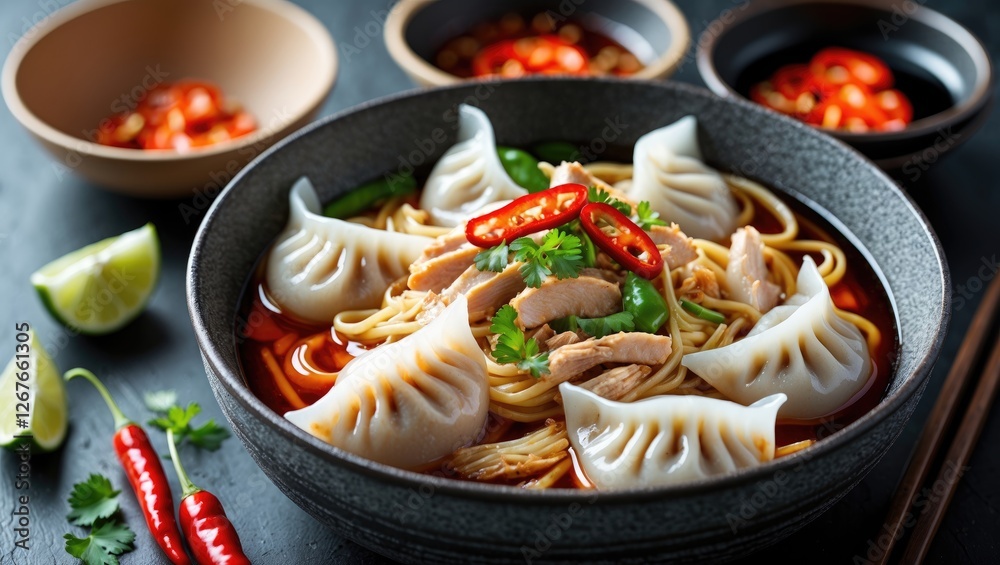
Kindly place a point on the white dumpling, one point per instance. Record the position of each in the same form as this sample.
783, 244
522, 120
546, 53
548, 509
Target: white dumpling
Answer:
409, 402
319, 266
669, 173
666, 439
801, 348
469, 175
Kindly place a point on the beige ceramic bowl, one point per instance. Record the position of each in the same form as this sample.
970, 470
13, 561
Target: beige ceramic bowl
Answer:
95, 58
414, 29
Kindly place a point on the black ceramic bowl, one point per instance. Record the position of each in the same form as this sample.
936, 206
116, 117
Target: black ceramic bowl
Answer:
654, 30
414, 517
938, 64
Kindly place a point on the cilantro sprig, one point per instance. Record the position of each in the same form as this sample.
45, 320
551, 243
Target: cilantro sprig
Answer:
94, 503
209, 435
645, 217
560, 253
513, 348
596, 327
595, 194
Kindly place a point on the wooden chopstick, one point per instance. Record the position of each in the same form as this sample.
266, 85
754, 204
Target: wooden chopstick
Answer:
958, 456
938, 423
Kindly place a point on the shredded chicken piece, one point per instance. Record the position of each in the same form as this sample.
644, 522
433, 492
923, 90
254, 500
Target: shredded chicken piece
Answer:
586, 297
436, 273
443, 244
614, 384
700, 282
676, 248
641, 348
543, 334
746, 274
514, 459
486, 291
561, 339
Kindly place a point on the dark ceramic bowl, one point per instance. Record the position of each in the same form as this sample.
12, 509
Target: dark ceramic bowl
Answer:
938, 64
654, 30
414, 517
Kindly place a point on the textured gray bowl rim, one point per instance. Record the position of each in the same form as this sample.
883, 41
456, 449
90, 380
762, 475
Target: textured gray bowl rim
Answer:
977, 100
234, 383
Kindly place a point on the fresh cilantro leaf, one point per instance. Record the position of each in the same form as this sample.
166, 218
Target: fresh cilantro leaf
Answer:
493, 259
160, 401
208, 436
595, 194
106, 541
512, 347
177, 418
646, 217
600, 327
92, 500
560, 253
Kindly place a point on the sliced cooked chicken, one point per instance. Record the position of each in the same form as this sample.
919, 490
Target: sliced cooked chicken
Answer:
436, 273
444, 244
586, 297
561, 339
700, 281
615, 383
635, 347
679, 248
746, 273
575, 173
486, 291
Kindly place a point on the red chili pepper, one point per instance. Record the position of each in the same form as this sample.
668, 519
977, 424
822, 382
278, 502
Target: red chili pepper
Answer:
544, 54
620, 238
142, 466
837, 65
210, 535
528, 214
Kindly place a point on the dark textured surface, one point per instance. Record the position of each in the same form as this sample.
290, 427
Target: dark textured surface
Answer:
45, 214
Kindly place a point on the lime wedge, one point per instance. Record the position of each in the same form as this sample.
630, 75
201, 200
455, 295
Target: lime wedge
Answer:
32, 399
100, 288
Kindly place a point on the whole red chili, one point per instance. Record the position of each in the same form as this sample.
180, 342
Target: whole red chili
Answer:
622, 239
210, 535
528, 214
142, 465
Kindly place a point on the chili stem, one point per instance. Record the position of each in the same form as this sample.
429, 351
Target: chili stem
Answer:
120, 420
187, 487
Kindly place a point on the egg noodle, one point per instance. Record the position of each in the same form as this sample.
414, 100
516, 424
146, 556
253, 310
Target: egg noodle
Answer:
541, 456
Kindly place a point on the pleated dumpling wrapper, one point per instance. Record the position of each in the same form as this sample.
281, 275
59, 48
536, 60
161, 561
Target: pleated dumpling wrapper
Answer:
320, 266
469, 175
409, 402
667, 439
801, 348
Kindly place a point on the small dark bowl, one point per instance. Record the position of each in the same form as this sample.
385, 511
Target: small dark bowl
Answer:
939, 64
654, 30
414, 517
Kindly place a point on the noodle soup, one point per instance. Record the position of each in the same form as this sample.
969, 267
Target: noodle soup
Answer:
539, 359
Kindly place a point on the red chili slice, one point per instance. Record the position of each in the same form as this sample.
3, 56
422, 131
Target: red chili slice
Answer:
856, 67
622, 239
528, 214
545, 54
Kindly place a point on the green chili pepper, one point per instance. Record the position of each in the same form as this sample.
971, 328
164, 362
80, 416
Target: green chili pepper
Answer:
523, 168
556, 152
645, 303
369, 194
702, 312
